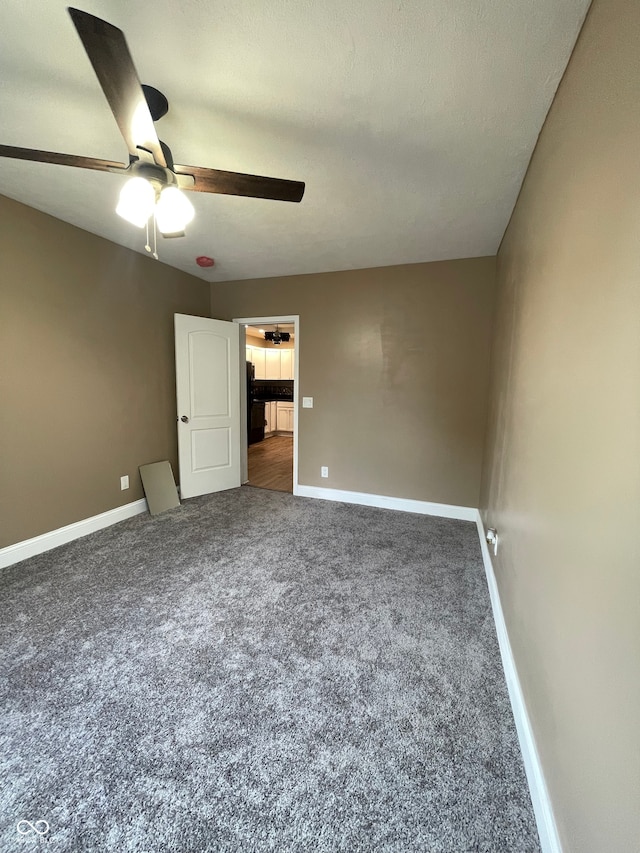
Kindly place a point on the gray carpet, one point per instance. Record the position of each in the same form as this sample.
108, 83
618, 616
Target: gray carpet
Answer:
259, 672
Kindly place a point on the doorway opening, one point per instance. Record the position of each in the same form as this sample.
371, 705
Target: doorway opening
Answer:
269, 348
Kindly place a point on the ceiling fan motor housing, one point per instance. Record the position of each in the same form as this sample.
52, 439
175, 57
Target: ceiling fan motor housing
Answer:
156, 101
158, 176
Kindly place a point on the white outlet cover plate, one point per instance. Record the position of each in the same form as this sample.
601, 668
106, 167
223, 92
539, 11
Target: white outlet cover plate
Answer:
124, 482
307, 402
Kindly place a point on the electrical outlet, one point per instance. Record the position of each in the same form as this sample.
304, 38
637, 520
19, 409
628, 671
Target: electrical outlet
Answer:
324, 471
307, 402
492, 539
124, 482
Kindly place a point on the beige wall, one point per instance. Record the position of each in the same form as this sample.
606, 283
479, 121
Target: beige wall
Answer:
396, 360
562, 474
86, 370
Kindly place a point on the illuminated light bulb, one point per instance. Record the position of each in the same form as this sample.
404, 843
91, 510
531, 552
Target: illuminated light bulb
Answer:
136, 202
174, 211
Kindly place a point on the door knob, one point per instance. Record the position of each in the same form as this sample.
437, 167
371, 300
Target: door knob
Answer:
184, 419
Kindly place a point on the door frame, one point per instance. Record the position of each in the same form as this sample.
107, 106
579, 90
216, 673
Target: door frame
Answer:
257, 321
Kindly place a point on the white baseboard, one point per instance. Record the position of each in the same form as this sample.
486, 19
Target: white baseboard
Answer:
543, 811
30, 547
464, 513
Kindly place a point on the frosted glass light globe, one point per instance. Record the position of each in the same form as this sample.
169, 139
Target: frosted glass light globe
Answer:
174, 211
136, 202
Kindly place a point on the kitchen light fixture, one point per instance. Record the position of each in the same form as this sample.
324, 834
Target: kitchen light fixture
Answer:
277, 337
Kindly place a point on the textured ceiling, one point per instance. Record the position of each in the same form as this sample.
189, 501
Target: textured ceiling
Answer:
411, 123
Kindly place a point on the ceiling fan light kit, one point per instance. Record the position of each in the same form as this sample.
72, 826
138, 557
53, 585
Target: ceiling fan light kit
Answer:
140, 199
156, 183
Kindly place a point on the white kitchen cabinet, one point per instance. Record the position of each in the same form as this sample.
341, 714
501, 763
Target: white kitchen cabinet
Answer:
259, 362
286, 364
285, 417
272, 364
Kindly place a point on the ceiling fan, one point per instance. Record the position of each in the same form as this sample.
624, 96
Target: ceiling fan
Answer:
155, 180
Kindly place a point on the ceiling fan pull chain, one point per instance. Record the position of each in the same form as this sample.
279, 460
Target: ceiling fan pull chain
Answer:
155, 238
146, 245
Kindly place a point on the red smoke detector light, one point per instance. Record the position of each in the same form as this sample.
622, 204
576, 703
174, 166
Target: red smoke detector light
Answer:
204, 261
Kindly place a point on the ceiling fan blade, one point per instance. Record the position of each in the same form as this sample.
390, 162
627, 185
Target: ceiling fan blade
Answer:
235, 183
61, 159
107, 50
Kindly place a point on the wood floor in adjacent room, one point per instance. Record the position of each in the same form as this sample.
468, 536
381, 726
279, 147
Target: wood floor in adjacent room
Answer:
271, 463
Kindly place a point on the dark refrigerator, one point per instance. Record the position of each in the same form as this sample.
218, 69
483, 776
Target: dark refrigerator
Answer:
255, 410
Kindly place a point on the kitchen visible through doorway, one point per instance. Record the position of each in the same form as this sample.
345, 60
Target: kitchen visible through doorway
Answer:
270, 366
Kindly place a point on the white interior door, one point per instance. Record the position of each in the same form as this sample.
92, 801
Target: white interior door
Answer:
208, 397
